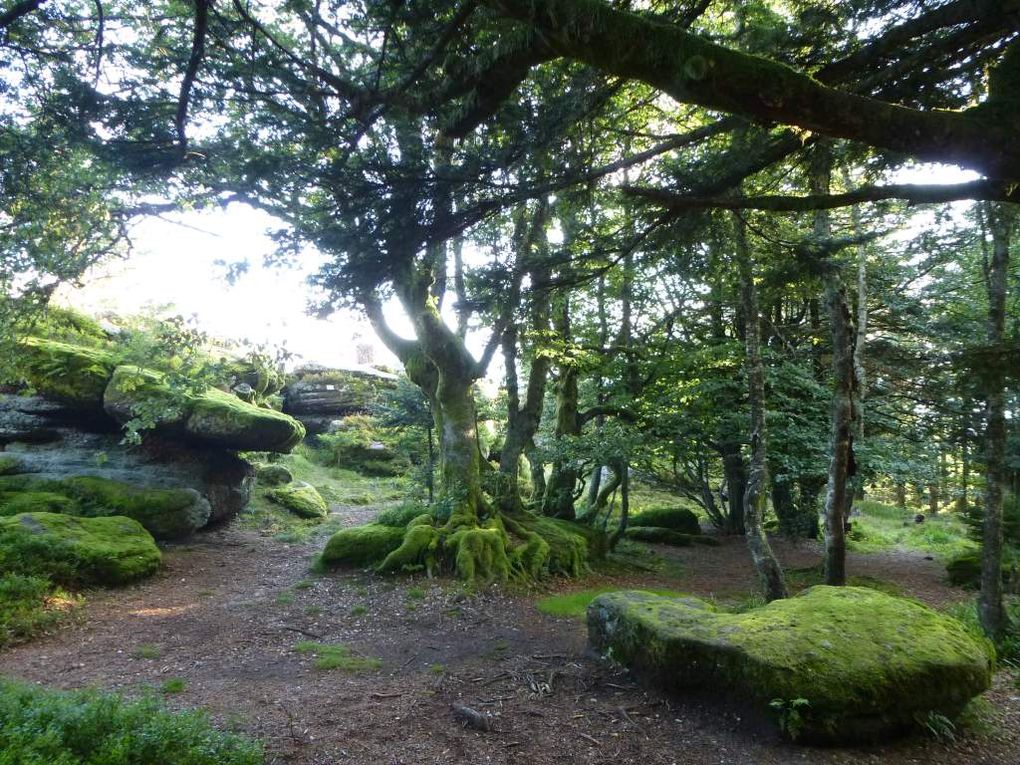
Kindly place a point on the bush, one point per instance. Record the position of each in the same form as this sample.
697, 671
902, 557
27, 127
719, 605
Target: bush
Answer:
93, 728
365, 446
676, 518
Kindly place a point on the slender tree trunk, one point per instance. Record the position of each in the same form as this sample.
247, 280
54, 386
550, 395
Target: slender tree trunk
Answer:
991, 609
621, 529
430, 478
842, 465
962, 500
901, 495
559, 490
755, 494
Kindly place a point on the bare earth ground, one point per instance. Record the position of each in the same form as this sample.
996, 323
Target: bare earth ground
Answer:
227, 610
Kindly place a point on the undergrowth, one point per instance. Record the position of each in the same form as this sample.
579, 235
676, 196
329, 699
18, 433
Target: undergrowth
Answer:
32, 605
92, 728
883, 527
337, 656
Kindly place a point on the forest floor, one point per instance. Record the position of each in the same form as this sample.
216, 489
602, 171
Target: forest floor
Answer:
220, 625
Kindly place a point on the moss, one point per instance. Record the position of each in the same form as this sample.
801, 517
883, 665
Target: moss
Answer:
575, 604
480, 555
214, 416
165, 513
362, 545
70, 373
419, 549
676, 518
337, 656
71, 550
667, 536
300, 498
869, 664
10, 465
273, 474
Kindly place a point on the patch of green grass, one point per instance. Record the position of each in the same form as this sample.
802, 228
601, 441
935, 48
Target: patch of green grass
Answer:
146, 651
92, 728
337, 656
304, 584
32, 605
359, 610
575, 604
437, 669
415, 593
883, 527
313, 611
1008, 649
284, 598
802, 578
174, 685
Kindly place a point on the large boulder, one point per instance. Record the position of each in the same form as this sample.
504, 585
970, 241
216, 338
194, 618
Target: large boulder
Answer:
77, 551
69, 373
362, 545
51, 441
318, 396
214, 417
300, 498
839, 664
273, 474
676, 518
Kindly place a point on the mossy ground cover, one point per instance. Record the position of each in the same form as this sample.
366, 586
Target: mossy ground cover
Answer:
92, 728
882, 527
328, 656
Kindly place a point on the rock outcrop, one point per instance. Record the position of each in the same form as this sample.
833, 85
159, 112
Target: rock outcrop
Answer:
300, 498
318, 396
838, 664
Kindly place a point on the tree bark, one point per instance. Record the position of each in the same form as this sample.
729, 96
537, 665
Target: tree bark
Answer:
559, 491
991, 608
755, 494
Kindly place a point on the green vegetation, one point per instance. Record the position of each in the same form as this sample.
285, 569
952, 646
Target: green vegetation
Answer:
93, 728
867, 663
72, 373
881, 527
362, 545
337, 656
666, 536
675, 518
146, 651
173, 685
575, 604
300, 498
364, 445
30, 606
802, 578
77, 551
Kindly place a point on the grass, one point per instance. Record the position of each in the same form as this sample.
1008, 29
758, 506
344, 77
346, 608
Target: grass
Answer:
284, 598
802, 578
146, 651
92, 728
574, 604
30, 606
1008, 649
174, 685
883, 527
415, 593
359, 610
337, 656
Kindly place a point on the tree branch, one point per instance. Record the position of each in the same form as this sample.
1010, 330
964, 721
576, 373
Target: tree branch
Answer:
18, 10
194, 62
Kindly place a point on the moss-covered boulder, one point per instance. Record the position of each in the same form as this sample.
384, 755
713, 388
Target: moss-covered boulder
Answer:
72, 374
675, 518
300, 498
665, 536
867, 665
965, 571
77, 551
165, 513
214, 417
273, 474
366, 545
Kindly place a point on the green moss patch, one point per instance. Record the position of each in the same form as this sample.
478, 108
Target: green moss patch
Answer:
165, 513
364, 545
869, 665
666, 536
575, 604
300, 498
678, 519
337, 656
66, 372
93, 728
10, 465
71, 550
273, 474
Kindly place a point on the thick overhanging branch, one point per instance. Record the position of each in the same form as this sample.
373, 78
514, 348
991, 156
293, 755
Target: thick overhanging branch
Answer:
912, 193
18, 10
694, 70
194, 62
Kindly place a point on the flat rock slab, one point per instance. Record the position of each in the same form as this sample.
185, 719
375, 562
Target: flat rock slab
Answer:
868, 665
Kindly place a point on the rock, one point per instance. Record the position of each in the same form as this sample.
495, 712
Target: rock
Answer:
362, 545
244, 392
70, 373
273, 474
77, 551
165, 513
319, 397
215, 417
80, 443
676, 518
300, 498
664, 536
869, 665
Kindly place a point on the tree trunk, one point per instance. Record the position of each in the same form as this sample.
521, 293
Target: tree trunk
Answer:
991, 609
559, 491
755, 494
901, 495
621, 529
735, 474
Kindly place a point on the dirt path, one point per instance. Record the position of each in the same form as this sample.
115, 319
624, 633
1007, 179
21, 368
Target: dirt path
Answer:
227, 611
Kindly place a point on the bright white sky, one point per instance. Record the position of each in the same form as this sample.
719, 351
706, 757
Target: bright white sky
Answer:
173, 270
